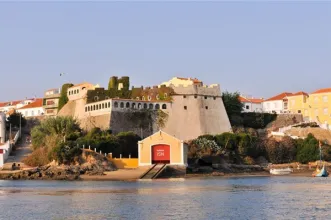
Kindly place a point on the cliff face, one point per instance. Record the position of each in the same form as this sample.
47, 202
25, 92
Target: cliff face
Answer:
284, 120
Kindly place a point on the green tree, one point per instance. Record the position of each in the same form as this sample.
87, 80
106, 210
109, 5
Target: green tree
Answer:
233, 107
54, 130
15, 118
64, 98
307, 149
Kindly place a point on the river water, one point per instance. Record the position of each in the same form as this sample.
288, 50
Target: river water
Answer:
212, 198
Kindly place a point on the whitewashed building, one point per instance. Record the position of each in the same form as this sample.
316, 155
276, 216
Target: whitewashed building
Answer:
33, 109
277, 104
251, 104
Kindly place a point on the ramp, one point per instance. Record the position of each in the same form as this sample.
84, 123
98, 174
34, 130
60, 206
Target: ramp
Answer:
154, 171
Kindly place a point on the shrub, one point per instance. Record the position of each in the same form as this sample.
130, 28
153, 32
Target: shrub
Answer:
67, 153
39, 157
203, 147
64, 98
307, 149
249, 160
227, 140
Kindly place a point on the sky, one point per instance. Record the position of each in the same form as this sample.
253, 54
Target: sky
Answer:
256, 48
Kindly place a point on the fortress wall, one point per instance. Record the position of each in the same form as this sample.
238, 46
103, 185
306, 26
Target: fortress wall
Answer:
100, 121
212, 90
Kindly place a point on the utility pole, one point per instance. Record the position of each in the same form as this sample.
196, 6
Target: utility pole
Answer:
20, 126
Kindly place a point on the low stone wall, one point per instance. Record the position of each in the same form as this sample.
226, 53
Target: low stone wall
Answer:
173, 171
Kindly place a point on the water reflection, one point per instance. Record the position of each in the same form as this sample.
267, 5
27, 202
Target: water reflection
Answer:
219, 198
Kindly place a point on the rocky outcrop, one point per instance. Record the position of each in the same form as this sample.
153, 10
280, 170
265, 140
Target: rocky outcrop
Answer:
91, 163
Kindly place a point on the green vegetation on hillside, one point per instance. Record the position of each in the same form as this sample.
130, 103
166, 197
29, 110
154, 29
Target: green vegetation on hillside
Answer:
64, 98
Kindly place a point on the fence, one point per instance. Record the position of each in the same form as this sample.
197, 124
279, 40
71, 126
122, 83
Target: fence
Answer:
6, 149
120, 163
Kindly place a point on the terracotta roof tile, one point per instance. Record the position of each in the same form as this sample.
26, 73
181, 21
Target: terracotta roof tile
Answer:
36, 104
279, 97
299, 93
253, 100
325, 90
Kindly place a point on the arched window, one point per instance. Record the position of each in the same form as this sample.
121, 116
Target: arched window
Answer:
127, 105
122, 105
85, 109
74, 91
108, 104
103, 105
89, 108
93, 107
96, 98
133, 105
116, 104
97, 107
165, 95
149, 98
151, 106
157, 106
145, 106
164, 106
77, 91
83, 88
143, 98
139, 105
157, 97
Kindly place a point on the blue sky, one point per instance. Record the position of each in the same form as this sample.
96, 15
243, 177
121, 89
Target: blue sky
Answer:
257, 48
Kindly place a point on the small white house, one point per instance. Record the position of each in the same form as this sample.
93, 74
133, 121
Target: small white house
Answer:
251, 104
33, 109
277, 104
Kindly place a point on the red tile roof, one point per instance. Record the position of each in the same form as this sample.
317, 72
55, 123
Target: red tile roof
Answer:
299, 93
257, 101
3, 104
36, 104
326, 90
279, 97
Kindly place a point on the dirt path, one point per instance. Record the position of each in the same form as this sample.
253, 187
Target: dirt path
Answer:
21, 151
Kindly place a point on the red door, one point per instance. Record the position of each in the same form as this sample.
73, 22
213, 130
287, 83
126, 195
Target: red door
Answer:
160, 153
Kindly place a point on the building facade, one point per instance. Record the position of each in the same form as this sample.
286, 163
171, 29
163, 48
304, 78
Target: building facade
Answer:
51, 101
277, 104
251, 104
34, 109
192, 109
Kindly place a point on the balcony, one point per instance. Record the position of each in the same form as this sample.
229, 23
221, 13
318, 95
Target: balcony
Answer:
51, 106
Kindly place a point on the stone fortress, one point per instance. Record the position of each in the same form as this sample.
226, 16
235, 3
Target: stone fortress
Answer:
188, 108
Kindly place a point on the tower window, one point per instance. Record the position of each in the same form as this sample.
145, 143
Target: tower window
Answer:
206, 107
185, 107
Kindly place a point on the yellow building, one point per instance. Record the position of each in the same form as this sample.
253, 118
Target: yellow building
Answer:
162, 148
314, 107
320, 106
299, 103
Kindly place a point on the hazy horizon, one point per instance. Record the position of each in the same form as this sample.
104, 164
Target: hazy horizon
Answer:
257, 48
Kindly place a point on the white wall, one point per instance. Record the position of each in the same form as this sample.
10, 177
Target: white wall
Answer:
253, 107
2, 127
270, 106
32, 112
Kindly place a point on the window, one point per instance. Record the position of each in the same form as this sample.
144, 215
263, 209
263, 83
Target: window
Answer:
149, 98
325, 98
85, 109
109, 104
99, 106
103, 105
316, 99
214, 98
145, 106
165, 95
184, 96
325, 111
116, 104
151, 106
157, 97
93, 107
96, 98
206, 97
195, 96
32, 113
185, 107
143, 98
122, 105
304, 99
164, 106
299, 111
247, 106
88, 108
127, 105
77, 91
206, 107
139, 105
157, 106
137, 98
133, 105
